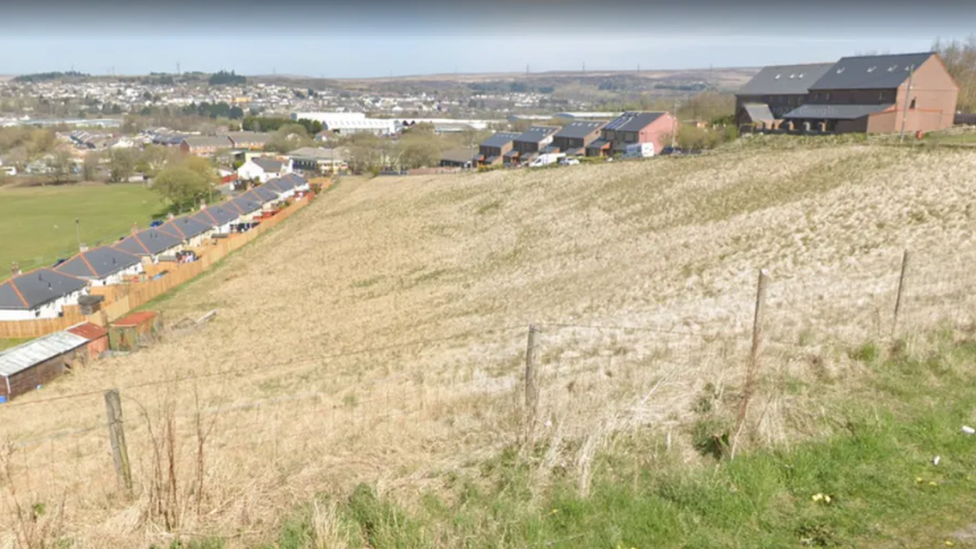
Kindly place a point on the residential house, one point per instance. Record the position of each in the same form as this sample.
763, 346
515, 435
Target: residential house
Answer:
249, 140
247, 208
492, 150
263, 168
218, 217
461, 157
632, 128
871, 94
318, 160
190, 230
205, 145
530, 143
151, 244
775, 91
102, 266
39, 294
574, 137
263, 195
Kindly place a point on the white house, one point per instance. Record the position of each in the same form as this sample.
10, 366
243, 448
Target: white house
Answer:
39, 294
261, 168
102, 266
151, 244
219, 217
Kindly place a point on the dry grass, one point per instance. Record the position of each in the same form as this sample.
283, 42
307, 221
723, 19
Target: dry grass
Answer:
670, 246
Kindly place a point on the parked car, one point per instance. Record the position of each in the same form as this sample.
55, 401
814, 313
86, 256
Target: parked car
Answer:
569, 162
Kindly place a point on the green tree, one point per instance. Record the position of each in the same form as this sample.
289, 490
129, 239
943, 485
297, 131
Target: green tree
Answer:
121, 164
182, 186
89, 168
960, 59
288, 138
62, 165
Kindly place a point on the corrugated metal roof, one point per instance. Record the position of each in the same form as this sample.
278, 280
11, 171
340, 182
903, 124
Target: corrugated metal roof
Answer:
870, 72
784, 79
136, 319
835, 112
34, 352
89, 331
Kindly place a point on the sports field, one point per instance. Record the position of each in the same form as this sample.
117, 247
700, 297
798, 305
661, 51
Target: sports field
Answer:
37, 224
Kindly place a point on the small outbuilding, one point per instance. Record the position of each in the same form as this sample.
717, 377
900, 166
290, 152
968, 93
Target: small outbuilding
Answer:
28, 366
128, 333
96, 335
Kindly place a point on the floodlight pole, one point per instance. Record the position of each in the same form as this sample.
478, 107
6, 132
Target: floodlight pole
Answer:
78, 232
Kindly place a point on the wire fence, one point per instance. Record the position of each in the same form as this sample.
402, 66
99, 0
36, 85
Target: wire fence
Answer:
217, 447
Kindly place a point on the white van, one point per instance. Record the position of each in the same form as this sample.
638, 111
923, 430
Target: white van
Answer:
546, 159
639, 150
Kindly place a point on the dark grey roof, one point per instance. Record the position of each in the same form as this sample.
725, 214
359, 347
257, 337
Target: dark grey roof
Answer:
261, 194
499, 139
294, 179
268, 164
249, 137
461, 154
870, 72
149, 242
243, 204
785, 79
758, 111
98, 263
31, 290
835, 112
580, 129
598, 144
216, 216
633, 121
217, 141
536, 134
186, 227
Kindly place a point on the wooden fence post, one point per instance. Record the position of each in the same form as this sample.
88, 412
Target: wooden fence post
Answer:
757, 341
901, 290
531, 383
116, 432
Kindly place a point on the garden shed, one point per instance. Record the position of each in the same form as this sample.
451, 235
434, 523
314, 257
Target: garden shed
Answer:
32, 364
128, 333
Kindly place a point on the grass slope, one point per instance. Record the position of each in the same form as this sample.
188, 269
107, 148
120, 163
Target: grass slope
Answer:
38, 223
379, 338
874, 484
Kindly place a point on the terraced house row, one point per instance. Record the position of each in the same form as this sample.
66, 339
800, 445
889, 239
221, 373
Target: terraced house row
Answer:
43, 293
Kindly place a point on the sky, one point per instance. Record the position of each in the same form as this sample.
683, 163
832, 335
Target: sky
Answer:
375, 38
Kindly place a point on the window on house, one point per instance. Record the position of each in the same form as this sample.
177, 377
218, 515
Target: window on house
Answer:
827, 96
912, 105
881, 96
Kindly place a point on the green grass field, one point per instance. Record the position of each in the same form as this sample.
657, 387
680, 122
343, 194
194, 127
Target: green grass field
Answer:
38, 223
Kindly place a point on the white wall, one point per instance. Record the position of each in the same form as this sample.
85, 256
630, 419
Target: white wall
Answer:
48, 310
117, 277
250, 170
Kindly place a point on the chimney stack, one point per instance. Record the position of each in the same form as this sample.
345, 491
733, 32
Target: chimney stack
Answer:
83, 247
170, 216
15, 269
134, 229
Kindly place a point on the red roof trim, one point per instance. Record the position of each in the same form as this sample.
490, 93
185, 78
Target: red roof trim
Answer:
17, 291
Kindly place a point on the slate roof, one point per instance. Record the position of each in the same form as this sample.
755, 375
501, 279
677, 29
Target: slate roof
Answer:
244, 205
30, 291
20, 358
870, 72
98, 263
206, 141
269, 165
317, 153
835, 112
248, 137
149, 242
216, 216
536, 134
785, 79
460, 154
758, 111
580, 129
186, 227
499, 139
261, 194
294, 180
633, 121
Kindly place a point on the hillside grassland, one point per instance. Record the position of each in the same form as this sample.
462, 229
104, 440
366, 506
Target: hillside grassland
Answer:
38, 223
379, 335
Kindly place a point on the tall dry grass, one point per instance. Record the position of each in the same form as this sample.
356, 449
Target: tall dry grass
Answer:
379, 335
